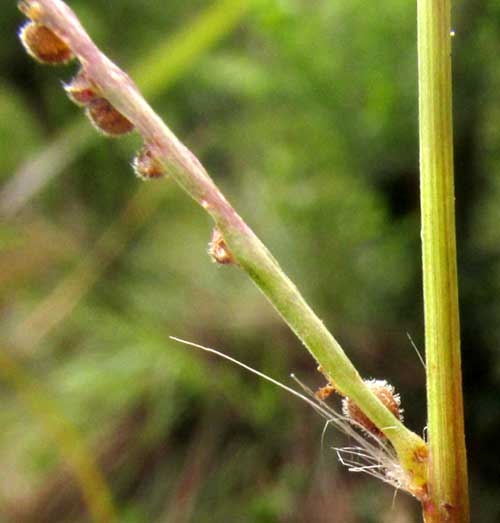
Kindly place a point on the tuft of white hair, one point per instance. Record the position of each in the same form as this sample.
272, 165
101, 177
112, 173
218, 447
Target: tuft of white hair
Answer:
370, 454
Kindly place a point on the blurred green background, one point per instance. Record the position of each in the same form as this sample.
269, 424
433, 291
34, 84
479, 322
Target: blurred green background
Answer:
305, 113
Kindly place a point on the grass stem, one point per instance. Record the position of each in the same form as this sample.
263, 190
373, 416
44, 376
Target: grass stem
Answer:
447, 488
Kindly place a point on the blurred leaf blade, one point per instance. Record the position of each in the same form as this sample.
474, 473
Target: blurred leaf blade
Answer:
69, 443
176, 55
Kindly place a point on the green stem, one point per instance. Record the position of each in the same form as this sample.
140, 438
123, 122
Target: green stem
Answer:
447, 489
251, 255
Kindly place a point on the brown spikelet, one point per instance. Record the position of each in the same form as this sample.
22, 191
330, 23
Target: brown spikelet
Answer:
107, 119
44, 45
218, 249
386, 394
31, 9
81, 90
146, 165
327, 390
324, 392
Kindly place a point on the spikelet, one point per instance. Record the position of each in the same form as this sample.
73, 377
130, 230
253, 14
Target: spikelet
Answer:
81, 90
147, 166
31, 9
218, 249
44, 45
386, 394
106, 119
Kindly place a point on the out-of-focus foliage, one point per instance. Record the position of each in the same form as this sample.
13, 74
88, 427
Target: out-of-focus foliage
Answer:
305, 113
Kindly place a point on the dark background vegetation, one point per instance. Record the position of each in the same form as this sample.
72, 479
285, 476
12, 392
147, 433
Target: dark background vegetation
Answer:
305, 113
